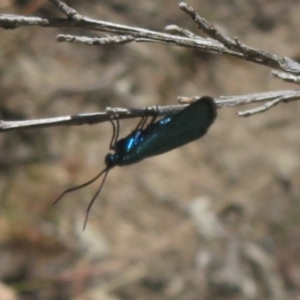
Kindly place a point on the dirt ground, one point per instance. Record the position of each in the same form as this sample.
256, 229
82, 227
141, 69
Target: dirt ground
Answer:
216, 219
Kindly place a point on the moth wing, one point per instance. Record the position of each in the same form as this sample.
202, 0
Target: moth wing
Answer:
188, 125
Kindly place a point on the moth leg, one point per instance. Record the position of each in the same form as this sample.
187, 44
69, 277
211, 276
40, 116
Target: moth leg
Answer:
116, 129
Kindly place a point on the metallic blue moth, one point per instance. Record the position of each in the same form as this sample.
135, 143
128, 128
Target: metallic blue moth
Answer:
156, 138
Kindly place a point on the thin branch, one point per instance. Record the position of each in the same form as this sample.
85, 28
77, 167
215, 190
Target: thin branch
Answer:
70, 12
249, 53
85, 118
174, 29
271, 99
217, 43
207, 28
122, 113
230, 101
286, 77
118, 39
262, 108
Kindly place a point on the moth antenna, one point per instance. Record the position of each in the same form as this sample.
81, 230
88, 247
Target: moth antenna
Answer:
95, 197
78, 187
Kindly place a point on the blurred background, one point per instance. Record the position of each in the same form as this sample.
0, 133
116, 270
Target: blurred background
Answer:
216, 219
